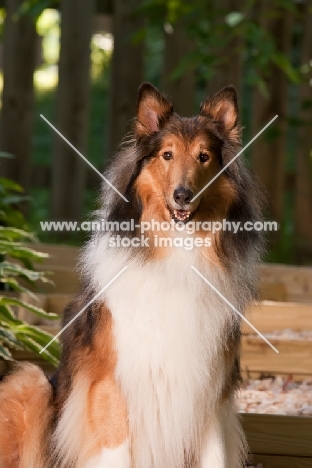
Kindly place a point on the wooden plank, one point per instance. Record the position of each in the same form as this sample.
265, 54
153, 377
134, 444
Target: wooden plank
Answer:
276, 461
50, 329
278, 282
255, 375
57, 302
268, 316
278, 435
21, 312
26, 315
59, 256
272, 291
62, 264
66, 281
297, 280
295, 356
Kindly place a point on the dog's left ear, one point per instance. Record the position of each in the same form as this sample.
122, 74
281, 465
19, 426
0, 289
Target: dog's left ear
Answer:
153, 109
222, 108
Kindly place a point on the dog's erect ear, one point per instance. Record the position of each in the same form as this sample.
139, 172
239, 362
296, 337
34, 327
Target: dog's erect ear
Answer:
153, 109
222, 108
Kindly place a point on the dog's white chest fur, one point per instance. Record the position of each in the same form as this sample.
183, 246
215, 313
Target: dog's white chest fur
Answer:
168, 327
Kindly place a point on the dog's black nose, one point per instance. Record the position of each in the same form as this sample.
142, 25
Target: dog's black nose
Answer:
182, 195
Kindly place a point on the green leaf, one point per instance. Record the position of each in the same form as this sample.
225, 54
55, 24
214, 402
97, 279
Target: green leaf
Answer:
14, 233
7, 337
306, 104
284, 63
17, 334
32, 345
33, 8
6, 313
17, 270
234, 18
14, 199
12, 217
38, 339
35, 310
5, 353
18, 250
13, 284
9, 184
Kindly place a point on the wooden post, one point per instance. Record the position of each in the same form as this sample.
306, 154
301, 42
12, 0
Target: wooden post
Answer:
229, 71
303, 180
72, 109
181, 89
18, 94
268, 154
127, 70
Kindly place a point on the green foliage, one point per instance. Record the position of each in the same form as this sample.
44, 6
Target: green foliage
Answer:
48, 26
213, 27
34, 8
10, 194
16, 272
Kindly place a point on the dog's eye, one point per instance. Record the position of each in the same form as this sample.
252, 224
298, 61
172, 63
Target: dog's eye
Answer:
167, 155
203, 157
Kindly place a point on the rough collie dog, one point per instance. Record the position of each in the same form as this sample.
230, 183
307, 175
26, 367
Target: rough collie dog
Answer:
149, 370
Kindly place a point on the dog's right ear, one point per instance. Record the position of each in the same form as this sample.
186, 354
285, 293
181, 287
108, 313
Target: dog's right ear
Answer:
153, 109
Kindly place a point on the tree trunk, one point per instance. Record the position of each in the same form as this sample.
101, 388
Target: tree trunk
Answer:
303, 181
18, 94
127, 70
181, 89
72, 109
268, 154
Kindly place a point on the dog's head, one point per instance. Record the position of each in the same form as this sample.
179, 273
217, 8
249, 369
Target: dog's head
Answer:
185, 169
182, 155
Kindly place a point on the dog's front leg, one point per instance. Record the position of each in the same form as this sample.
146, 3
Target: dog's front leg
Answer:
223, 443
108, 422
117, 457
213, 444
93, 429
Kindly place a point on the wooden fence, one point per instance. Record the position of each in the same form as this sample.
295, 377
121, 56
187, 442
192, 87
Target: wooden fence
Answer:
72, 102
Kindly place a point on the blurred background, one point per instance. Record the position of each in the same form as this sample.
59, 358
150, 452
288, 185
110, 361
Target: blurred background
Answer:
79, 63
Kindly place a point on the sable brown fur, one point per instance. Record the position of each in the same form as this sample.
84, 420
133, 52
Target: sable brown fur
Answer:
26, 414
243, 196
86, 380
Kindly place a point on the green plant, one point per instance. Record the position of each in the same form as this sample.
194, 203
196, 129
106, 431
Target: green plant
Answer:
214, 25
16, 274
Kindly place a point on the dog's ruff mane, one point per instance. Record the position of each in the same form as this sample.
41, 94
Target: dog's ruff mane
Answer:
169, 329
